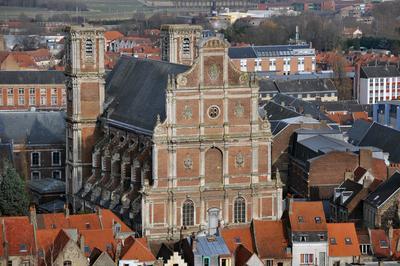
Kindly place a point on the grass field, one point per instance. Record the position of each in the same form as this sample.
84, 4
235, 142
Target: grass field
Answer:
98, 10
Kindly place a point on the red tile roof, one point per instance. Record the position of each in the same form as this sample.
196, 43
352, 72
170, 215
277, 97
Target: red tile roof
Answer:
101, 239
238, 236
45, 238
242, 255
19, 235
395, 244
136, 249
358, 173
303, 216
379, 242
24, 60
113, 35
58, 246
270, 239
343, 241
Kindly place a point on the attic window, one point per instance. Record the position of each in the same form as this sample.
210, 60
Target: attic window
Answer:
303, 238
383, 244
87, 225
53, 226
347, 240
300, 219
23, 248
237, 240
317, 220
321, 237
108, 247
87, 249
333, 241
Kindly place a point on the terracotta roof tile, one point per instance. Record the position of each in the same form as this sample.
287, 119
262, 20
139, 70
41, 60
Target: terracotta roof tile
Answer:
19, 235
1, 240
46, 237
109, 218
113, 35
137, 249
303, 216
270, 239
395, 244
24, 60
238, 236
101, 239
379, 242
242, 255
59, 244
343, 241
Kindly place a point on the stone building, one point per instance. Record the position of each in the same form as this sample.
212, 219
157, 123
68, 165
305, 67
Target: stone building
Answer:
181, 150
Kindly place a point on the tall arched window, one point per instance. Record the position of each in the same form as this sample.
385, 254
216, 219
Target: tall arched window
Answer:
188, 213
240, 210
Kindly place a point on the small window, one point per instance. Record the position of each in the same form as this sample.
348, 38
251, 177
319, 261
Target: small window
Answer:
347, 240
317, 220
321, 237
186, 46
56, 158
303, 238
206, 261
56, 174
87, 225
87, 249
23, 248
35, 175
383, 244
35, 159
300, 219
224, 262
333, 241
67, 263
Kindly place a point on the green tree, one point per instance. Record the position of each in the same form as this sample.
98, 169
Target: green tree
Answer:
13, 196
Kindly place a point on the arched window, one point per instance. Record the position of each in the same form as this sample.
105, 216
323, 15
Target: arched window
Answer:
67, 263
240, 210
186, 46
188, 213
89, 47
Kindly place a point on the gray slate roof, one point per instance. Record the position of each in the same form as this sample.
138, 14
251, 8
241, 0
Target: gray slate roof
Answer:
276, 112
358, 130
32, 77
211, 246
264, 51
32, 127
384, 190
305, 85
379, 71
136, 91
47, 185
324, 144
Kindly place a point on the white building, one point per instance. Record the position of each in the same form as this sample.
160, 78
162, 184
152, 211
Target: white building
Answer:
379, 83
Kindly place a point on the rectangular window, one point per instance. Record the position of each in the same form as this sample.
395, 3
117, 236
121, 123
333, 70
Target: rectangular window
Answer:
21, 96
243, 65
64, 97
35, 175
54, 97
56, 174
10, 96
224, 262
269, 263
32, 96
35, 159
43, 96
307, 258
1, 100
258, 66
56, 158
206, 261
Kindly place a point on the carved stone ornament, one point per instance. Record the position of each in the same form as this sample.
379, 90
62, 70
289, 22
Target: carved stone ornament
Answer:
239, 160
187, 112
239, 110
213, 72
188, 163
243, 78
182, 80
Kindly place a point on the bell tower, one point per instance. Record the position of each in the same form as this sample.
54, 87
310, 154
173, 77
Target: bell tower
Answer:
84, 70
179, 43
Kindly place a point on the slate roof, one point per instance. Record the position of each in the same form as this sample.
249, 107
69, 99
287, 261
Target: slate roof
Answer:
384, 190
211, 246
384, 138
47, 185
379, 71
349, 185
265, 51
267, 85
358, 130
305, 85
32, 77
136, 91
321, 143
33, 127
276, 112
349, 106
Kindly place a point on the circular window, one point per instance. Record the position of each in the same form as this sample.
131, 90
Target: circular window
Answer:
213, 111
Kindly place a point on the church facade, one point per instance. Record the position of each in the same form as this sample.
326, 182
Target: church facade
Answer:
182, 148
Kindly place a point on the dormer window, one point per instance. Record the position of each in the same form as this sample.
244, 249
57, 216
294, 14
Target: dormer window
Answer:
300, 219
383, 244
333, 241
347, 240
23, 248
87, 225
89, 47
317, 220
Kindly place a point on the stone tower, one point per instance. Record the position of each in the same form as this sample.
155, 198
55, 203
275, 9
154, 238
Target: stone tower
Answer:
84, 70
179, 43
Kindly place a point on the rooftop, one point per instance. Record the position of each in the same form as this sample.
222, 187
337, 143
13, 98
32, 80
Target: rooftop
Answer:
384, 191
343, 241
32, 77
307, 216
379, 71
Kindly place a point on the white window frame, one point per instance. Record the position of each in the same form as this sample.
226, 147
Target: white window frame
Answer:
32, 158
59, 174
272, 64
258, 64
43, 96
52, 158
10, 96
243, 64
39, 176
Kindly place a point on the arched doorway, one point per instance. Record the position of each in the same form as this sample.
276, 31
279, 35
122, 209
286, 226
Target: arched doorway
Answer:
214, 166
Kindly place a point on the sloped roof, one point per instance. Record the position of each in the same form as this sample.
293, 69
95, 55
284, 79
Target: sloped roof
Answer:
276, 112
384, 190
136, 249
33, 127
270, 239
379, 71
47, 185
102, 239
264, 51
138, 86
242, 255
345, 243
384, 138
112, 35
19, 235
238, 236
211, 246
349, 185
303, 214
379, 242
59, 244
32, 77
305, 85
357, 131
325, 144
45, 238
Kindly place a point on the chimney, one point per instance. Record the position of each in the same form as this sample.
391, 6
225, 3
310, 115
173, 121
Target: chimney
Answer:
66, 210
365, 158
32, 216
100, 215
290, 206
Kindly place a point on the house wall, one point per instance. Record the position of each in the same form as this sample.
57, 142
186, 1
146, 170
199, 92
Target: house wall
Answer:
342, 260
73, 253
309, 248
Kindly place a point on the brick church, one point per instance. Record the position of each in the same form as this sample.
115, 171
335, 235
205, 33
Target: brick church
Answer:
172, 147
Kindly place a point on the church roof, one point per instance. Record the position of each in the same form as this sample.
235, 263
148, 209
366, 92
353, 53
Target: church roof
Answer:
136, 92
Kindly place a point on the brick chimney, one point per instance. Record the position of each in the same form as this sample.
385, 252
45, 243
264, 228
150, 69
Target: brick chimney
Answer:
365, 158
